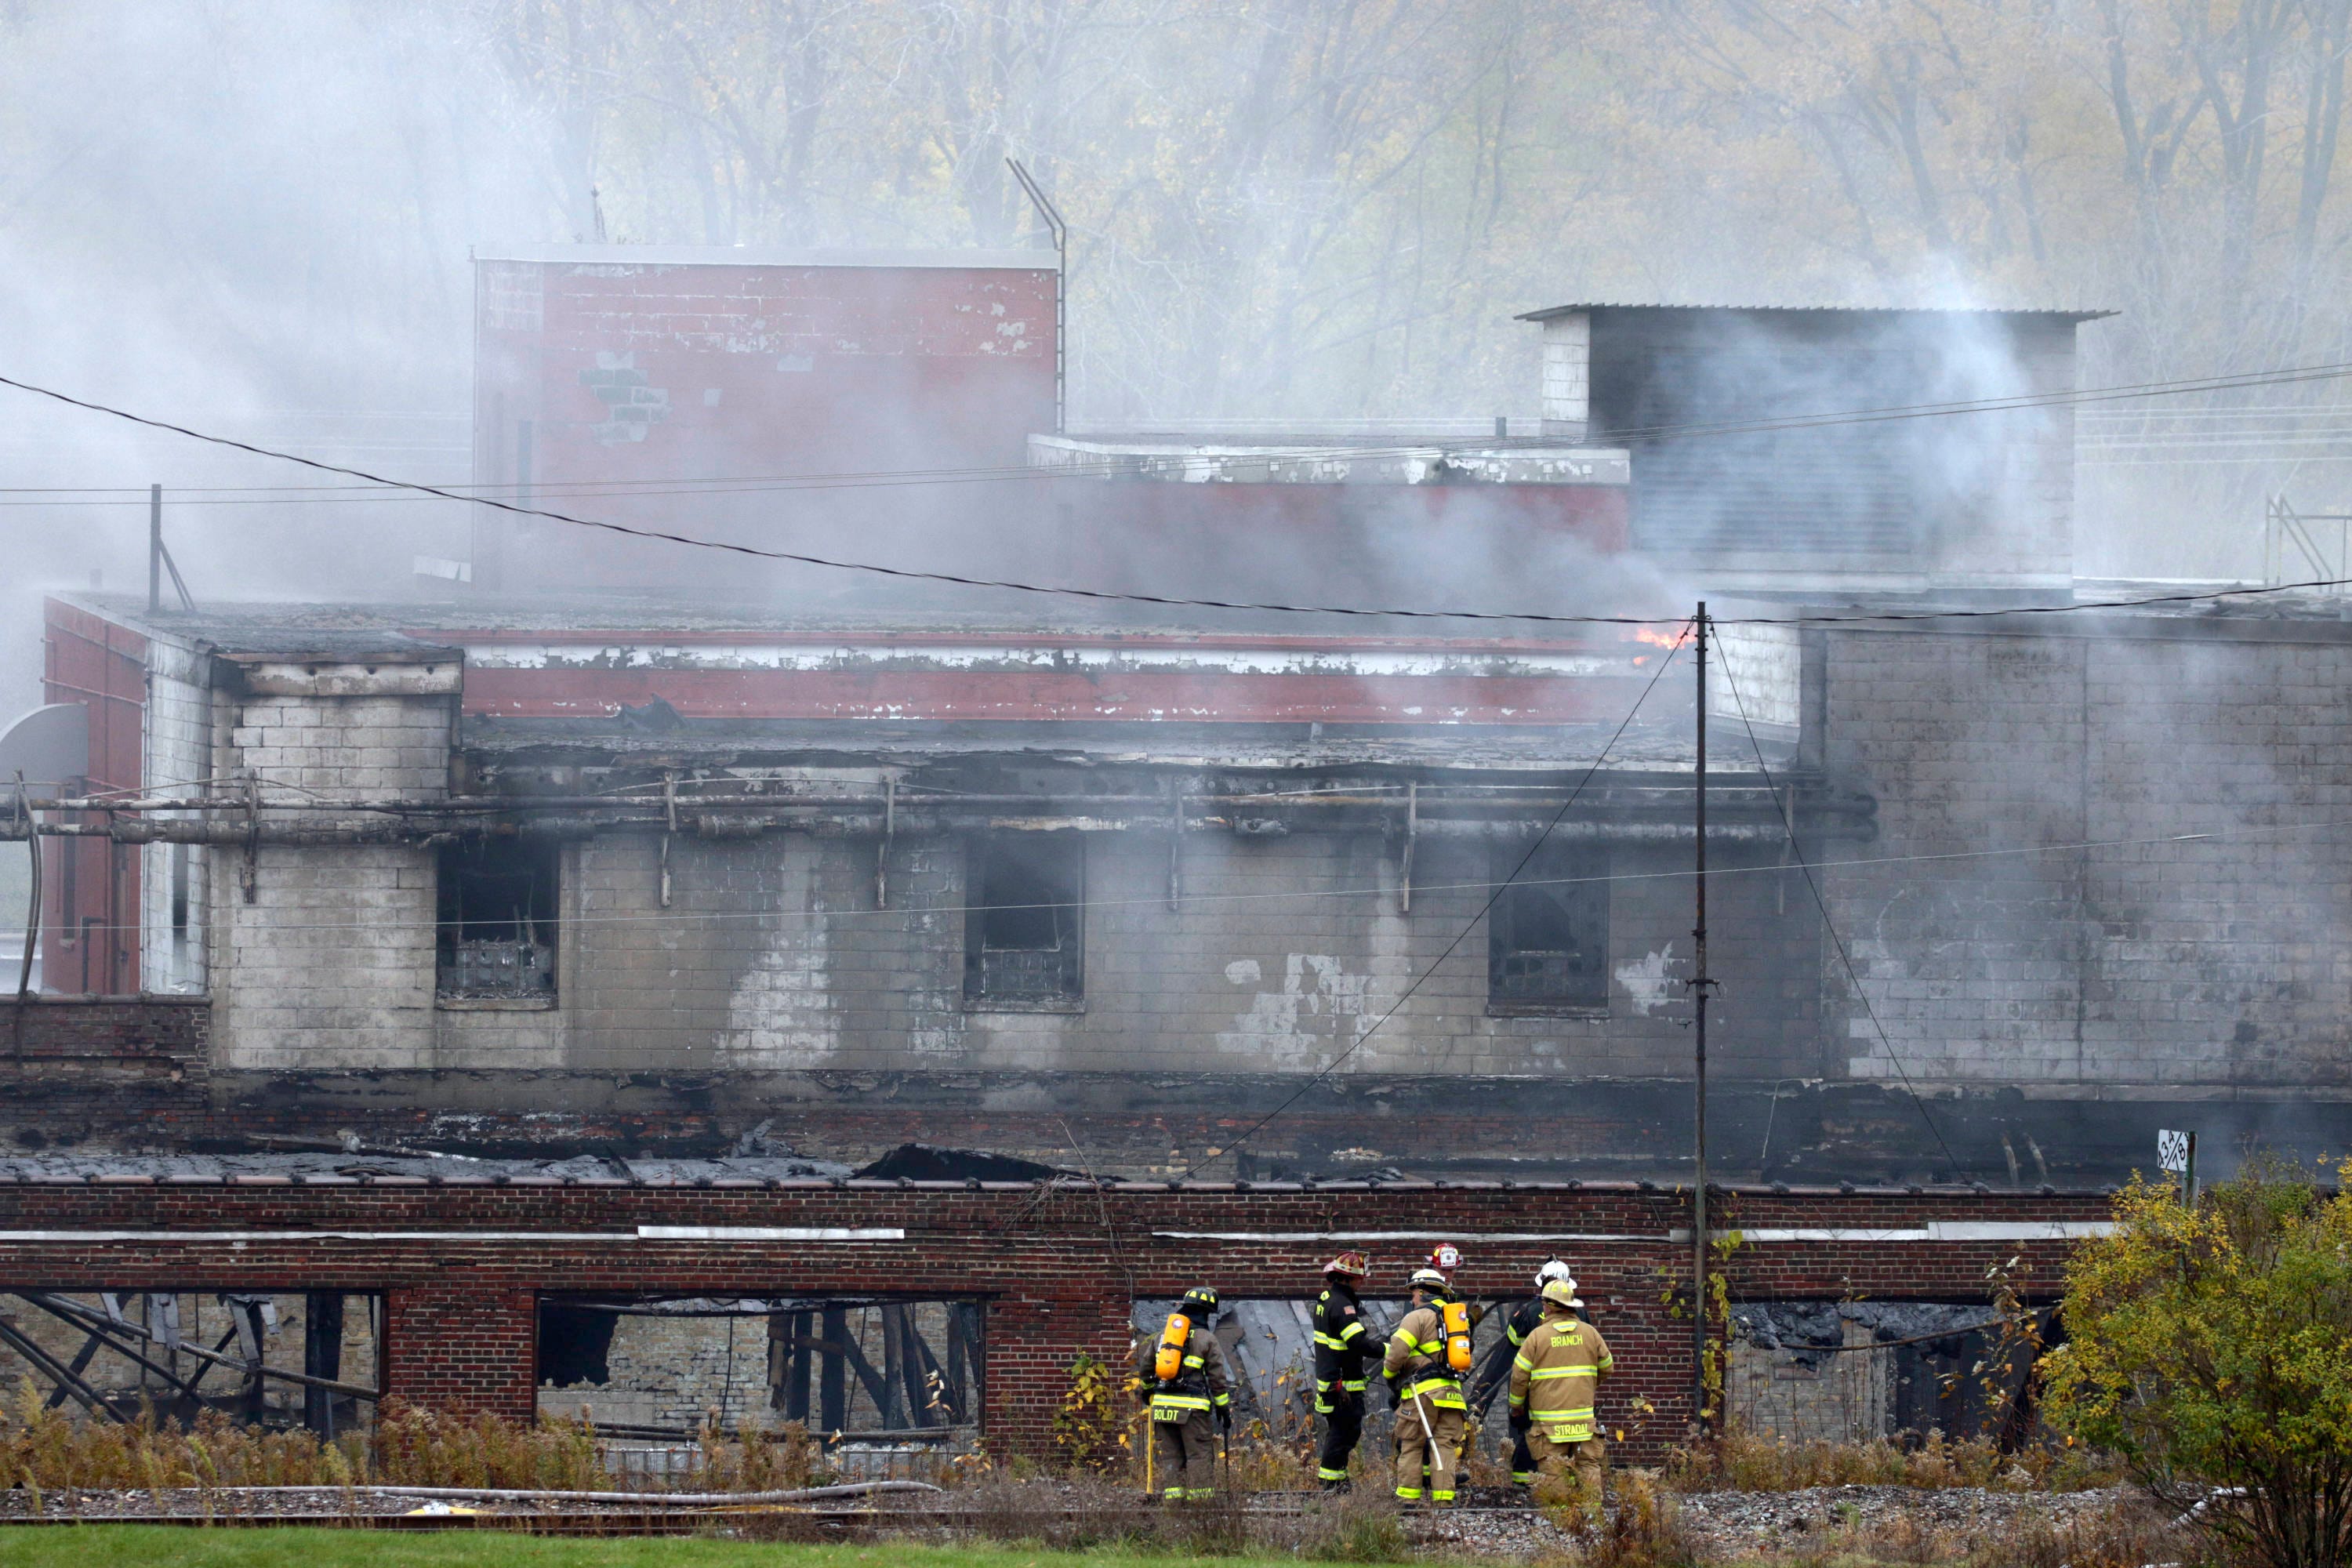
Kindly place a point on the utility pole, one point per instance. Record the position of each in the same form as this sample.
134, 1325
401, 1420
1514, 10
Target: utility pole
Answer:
1700, 984
154, 549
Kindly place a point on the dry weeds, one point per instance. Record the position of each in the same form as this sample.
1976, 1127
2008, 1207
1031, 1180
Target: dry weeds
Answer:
1738, 1463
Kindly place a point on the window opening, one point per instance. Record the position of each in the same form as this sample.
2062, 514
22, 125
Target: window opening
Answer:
495, 909
281, 1360
1548, 936
180, 892
1851, 1371
873, 1377
1023, 937
1269, 1345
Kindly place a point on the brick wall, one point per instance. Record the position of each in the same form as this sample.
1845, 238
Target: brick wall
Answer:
463, 1265
73, 1069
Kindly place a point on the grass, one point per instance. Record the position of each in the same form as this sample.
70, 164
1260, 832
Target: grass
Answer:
151, 1546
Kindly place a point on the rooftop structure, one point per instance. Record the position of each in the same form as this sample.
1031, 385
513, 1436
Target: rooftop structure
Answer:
1826, 449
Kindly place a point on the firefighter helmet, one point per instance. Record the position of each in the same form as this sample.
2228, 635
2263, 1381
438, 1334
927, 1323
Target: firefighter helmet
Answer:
1428, 1279
1201, 1299
1352, 1264
1445, 1257
1561, 1293
1553, 1269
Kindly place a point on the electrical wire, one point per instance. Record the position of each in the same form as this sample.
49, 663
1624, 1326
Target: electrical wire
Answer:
1179, 602
1830, 925
1461, 936
1127, 463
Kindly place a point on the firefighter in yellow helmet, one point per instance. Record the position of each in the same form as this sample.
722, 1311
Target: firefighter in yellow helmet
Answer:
1426, 1383
1181, 1374
1553, 1381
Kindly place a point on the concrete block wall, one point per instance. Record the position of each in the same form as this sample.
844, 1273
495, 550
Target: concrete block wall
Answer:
2155, 960
1287, 953
329, 964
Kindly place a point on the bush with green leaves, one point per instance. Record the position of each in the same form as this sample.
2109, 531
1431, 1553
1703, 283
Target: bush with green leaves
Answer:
2211, 1347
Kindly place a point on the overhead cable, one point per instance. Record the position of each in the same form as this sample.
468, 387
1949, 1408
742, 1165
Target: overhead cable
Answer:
1120, 464
1170, 600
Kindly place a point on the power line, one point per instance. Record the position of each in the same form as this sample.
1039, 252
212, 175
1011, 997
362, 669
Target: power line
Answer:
1459, 937
1830, 925
1114, 464
1180, 602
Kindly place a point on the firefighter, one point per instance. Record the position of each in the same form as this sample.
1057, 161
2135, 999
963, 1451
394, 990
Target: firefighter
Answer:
1183, 1379
1516, 1330
1424, 1372
1342, 1345
1553, 1379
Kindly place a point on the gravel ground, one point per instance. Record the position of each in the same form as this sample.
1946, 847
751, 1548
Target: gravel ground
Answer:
1732, 1524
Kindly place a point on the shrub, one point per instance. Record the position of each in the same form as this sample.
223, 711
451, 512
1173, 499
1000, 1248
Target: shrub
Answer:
2211, 1347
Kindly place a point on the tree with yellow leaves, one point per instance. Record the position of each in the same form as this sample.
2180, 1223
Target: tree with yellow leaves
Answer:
2211, 1347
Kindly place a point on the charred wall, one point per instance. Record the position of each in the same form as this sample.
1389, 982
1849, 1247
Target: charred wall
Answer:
2151, 888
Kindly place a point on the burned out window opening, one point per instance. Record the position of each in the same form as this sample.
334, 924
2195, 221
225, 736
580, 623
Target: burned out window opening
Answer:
1025, 926
274, 1359
1548, 935
496, 913
861, 1368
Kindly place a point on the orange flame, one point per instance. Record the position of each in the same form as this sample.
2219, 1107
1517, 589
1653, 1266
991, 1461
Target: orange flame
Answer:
1656, 638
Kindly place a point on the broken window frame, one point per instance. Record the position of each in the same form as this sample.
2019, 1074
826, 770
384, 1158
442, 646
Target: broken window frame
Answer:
182, 1369
1565, 876
916, 1393
472, 951
1013, 880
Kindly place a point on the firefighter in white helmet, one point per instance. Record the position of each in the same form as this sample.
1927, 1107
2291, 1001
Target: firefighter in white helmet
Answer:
1492, 1376
1553, 1381
1423, 1365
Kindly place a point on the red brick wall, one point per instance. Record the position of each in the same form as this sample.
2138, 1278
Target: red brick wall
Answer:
71, 1067
1057, 1266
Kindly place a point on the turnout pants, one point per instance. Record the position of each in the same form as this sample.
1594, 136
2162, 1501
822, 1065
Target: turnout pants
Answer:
1523, 1463
1574, 1469
1425, 1468
1343, 1427
1184, 1454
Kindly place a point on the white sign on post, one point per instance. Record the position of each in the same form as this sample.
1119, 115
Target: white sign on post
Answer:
2172, 1151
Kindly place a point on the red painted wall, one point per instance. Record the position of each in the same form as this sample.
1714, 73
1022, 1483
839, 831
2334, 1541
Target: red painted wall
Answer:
89, 913
630, 373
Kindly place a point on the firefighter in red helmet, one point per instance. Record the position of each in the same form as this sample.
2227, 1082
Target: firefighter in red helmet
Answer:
1342, 1345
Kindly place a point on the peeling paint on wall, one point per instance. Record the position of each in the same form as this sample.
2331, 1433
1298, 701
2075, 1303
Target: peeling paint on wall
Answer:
780, 1013
1649, 981
1318, 1011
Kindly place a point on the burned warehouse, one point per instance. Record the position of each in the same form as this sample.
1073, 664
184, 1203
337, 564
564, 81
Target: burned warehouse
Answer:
635, 977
